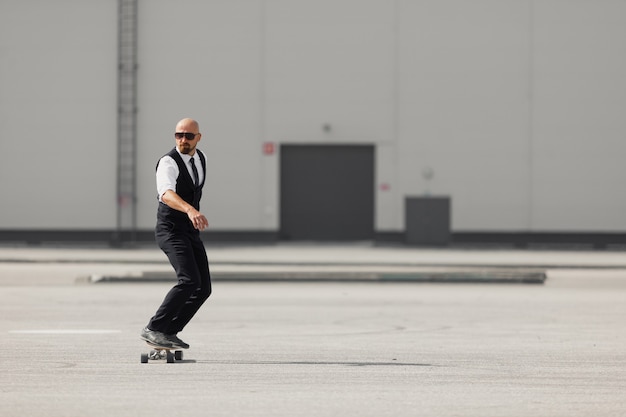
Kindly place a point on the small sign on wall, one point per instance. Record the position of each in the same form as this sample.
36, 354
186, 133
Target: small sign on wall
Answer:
269, 148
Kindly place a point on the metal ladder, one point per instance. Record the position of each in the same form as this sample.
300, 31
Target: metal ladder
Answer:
127, 122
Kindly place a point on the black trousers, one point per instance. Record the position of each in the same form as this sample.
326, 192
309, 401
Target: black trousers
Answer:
185, 251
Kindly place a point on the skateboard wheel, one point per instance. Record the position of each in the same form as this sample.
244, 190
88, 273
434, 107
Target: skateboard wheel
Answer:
170, 357
144, 358
178, 355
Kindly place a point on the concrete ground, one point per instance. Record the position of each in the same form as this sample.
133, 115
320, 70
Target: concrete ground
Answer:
313, 346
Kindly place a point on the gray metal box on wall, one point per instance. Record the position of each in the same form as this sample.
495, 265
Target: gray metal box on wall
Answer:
427, 221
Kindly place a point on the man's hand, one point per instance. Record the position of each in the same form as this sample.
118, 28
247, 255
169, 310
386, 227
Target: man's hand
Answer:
197, 219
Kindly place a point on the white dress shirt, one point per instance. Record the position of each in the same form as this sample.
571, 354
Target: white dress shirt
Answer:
167, 171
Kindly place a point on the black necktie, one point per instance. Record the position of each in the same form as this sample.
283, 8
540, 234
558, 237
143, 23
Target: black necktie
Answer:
196, 178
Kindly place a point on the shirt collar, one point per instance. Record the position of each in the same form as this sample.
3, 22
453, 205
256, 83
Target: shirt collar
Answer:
187, 157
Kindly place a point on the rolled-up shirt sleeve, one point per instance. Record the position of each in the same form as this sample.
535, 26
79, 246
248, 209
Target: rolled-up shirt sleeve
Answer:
166, 175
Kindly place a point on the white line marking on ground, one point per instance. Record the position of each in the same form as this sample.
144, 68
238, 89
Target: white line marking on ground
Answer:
65, 331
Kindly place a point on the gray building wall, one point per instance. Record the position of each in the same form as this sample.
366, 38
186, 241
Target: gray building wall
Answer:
57, 114
513, 108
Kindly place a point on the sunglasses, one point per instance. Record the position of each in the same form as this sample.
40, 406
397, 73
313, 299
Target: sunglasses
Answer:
186, 135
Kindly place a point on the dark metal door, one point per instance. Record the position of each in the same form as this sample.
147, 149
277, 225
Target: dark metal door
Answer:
327, 192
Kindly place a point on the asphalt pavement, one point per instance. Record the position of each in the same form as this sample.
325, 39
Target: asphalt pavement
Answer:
318, 330
302, 262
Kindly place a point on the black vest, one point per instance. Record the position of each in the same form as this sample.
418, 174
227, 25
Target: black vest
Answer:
185, 188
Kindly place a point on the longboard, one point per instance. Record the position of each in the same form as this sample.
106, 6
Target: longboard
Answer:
170, 354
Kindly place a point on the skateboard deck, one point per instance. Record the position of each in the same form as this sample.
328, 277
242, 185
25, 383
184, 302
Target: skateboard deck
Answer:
169, 354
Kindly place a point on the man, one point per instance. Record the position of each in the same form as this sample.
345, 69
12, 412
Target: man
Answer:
180, 177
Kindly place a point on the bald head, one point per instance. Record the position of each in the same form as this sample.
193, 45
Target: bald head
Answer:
188, 123
187, 136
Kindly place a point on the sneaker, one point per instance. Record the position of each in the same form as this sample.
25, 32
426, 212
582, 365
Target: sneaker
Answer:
156, 338
177, 342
